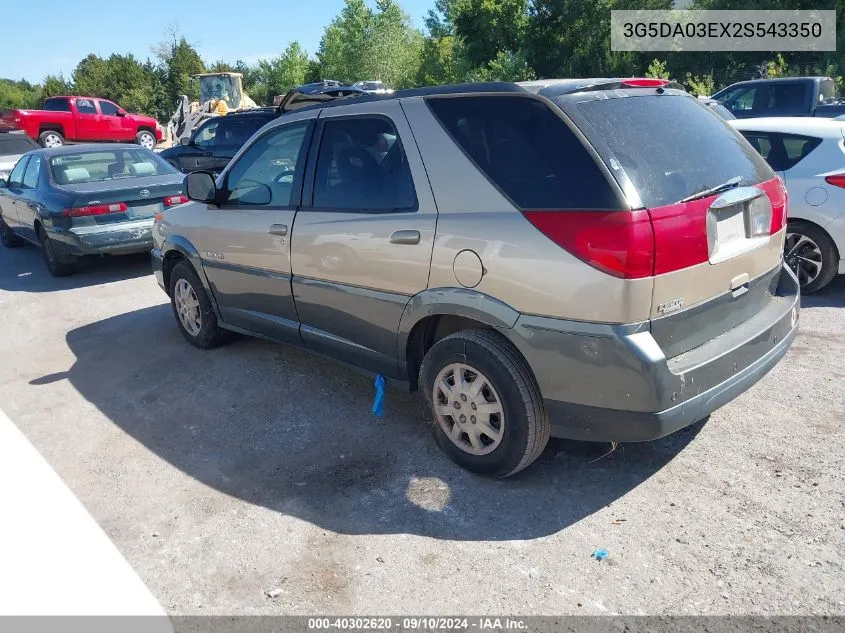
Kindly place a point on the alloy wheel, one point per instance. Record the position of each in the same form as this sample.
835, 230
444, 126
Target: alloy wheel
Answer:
803, 256
188, 307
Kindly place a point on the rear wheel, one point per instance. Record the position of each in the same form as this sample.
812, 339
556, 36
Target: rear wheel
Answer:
57, 265
146, 139
192, 308
487, 405
51, 138
811, 254
9, 239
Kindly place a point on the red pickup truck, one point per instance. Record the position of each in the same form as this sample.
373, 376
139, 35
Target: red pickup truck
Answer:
82, 119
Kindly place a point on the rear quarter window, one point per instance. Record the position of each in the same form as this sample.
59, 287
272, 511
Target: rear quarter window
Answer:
670, 146
526, 151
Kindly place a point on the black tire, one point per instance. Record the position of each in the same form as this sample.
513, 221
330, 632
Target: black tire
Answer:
43, 138
827, 254
57, 265
145, 134
209, 334
9, 239
526, 426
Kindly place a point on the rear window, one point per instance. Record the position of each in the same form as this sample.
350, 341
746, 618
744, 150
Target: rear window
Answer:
81, 167
16, 144
57, 105
670, 146
526, 151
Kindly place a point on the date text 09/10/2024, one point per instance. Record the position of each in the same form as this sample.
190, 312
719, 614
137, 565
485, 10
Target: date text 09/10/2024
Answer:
418, 623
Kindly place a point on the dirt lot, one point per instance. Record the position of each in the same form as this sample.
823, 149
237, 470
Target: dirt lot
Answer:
223, 476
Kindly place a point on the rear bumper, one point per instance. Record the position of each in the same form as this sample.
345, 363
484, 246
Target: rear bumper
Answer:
614, 383
115, 239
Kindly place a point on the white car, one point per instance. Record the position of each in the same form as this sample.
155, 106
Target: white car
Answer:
13, 145
809, 154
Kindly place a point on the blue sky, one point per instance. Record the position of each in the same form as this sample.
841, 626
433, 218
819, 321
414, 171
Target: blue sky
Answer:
230, 30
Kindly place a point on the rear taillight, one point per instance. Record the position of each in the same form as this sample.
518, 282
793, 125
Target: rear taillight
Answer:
620, 243
837, 180
172, 201
644, 82
779, 208
95, 209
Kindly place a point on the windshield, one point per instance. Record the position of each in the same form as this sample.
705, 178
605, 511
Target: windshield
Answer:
671, 147
11, 144
102, 165
223, 87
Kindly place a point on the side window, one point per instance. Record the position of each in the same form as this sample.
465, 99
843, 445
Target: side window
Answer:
236, 131
57, 104
205, 137
30, 177
797, 148
743, 101
526, 151
786, 98
86, 106
361, 165
264, 174
108, 108
16, 177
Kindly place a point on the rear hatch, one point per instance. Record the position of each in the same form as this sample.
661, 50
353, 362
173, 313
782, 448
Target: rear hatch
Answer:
716, 209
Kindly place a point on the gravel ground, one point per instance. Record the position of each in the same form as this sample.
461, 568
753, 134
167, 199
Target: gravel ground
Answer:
257, 469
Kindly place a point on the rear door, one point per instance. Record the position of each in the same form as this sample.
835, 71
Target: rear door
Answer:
232, 133
363, 239
716, 254
245, 242
88, 121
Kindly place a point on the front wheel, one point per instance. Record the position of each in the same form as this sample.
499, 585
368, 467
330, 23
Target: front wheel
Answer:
146, 139
487, 406
192, 308
7, 236
811, 254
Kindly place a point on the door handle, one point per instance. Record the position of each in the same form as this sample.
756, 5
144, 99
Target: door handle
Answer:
405, 237
278, 229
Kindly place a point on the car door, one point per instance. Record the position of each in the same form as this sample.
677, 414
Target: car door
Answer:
200, 154
27, 202
88, 121
245, 244
113, 126
363, 238
10, 195
232, 133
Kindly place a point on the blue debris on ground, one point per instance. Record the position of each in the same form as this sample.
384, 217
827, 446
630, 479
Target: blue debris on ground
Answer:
600, 554
378, 401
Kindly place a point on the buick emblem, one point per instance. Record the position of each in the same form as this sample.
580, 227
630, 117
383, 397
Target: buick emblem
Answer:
144, 193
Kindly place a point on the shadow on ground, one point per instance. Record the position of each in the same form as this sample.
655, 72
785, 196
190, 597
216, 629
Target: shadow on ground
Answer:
832, 296
23, 270
279, 427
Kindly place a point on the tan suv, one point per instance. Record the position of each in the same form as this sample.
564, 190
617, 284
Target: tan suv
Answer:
592, 259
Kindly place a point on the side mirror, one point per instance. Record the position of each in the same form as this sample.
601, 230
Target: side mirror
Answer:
2, 183
121, 113
200, 187
185, 140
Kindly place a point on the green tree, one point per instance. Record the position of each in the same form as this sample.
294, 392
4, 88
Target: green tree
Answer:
55, 85
657, 70
181, 61
284, 72
364, 44
488, 27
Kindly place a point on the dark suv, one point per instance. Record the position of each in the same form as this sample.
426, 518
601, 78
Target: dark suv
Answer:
215, 142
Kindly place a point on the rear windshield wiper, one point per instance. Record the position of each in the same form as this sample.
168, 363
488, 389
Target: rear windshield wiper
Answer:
736, 181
